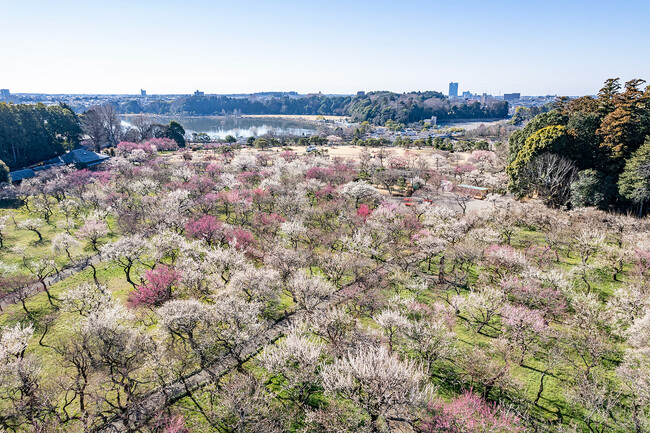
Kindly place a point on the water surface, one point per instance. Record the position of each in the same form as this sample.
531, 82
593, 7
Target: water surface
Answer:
218, 127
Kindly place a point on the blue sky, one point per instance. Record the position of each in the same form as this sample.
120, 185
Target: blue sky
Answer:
533, 47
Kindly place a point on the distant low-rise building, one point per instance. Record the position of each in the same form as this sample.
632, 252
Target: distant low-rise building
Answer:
511, 96
199, 93
4, 93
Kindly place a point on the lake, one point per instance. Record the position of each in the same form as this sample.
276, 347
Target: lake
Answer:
219, 127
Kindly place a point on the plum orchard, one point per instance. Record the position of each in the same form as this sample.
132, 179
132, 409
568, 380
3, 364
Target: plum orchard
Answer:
231, 292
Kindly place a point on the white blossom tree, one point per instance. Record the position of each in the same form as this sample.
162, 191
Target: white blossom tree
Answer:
295, 358
378, 381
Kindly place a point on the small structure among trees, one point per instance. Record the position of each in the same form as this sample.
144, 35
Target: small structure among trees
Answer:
472, 190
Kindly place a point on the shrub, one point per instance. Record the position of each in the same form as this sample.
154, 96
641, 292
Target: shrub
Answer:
4, 173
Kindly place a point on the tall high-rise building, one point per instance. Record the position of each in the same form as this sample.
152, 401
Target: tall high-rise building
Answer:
199, 93
453, 89
143, 92
483, 98
4, 93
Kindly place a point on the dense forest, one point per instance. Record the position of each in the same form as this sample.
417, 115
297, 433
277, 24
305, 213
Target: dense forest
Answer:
586, 151
33, 133
375, 107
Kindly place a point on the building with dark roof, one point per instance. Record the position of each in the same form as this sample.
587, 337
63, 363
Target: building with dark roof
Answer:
81, 158
19, 175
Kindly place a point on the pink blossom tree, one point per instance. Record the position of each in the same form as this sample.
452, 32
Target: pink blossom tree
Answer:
158, 287
523, 328
240, 238
162, 144
207, 228
364, 211
170, 424
470, 413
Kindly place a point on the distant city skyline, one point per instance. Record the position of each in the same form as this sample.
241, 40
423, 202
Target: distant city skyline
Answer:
496, 47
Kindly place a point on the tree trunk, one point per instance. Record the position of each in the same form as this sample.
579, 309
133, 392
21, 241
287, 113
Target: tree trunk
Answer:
541, 387
441, 270
47, 291
24, 306
127, 271
94, 273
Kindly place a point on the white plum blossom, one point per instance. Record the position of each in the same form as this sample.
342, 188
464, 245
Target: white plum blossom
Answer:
14, 340
360, 191
86, 298
379, 381
308, 292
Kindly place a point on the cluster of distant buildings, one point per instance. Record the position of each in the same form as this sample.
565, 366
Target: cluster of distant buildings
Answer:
80, 102
515, 98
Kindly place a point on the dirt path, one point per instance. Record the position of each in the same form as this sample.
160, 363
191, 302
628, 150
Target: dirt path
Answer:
66, 272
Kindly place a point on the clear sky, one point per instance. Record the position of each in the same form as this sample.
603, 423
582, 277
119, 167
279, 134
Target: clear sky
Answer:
113, 46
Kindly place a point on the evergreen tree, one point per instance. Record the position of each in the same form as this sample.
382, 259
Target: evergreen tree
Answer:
176, 132
634, 182
4, 173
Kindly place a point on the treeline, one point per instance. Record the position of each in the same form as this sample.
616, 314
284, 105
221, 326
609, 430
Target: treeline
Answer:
34, 133
223, 105
379, 107
374, 107
587, 151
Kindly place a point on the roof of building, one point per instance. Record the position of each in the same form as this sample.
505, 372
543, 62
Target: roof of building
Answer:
79, 156
19, 175
473, 187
